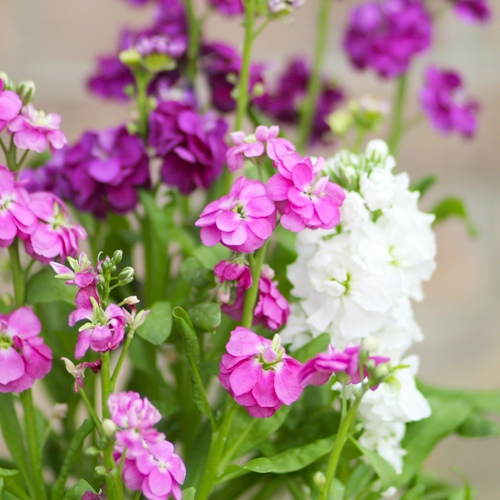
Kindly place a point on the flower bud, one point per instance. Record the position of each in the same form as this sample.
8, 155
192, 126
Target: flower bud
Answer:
131, 301
59, 411
93, 451
70, 367
26, 90
109, 427
126, 273
100, 470
370, 344
319, 478
8, 84
340, 122
117, 256
130, 57
140, 318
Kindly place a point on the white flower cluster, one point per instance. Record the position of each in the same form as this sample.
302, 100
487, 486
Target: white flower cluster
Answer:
357, 281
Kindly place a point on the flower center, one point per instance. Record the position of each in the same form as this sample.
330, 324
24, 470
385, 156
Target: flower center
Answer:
6, 201
5, 341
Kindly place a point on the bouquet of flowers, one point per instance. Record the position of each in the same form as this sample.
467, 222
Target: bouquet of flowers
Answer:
211, 312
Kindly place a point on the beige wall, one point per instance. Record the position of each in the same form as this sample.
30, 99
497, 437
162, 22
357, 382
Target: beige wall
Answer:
53, 42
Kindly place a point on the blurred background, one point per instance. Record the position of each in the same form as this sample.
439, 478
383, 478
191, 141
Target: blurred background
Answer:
54, 43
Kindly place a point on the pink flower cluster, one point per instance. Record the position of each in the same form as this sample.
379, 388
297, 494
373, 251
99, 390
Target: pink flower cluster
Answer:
229, 273
318, 370
150, 464
241, 220
23, 355
258, 373
265, 139
40, 219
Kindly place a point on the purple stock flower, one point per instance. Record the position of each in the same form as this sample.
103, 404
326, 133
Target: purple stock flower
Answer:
283, 104
473, 11
443, 100
258, 373
16, 219
304, 199
103, 171
110, 78
191, 146
241, 220
272, 309
264, 139
10, 105
23, 355
228, 7
35, 130
385, 36
54, 237
222, 64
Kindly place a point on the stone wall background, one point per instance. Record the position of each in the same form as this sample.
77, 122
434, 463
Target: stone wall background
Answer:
54, 42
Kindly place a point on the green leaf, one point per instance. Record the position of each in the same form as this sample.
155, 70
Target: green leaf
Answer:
415, 493
8, 472
384, 470
336, 490
74, 449
78, 490
358, 480
43, 287
209, 257
313, 347
422, 436
189, 494
158, 325
454, 207
196, 275
424, 184
192, 347
12, 433
289, 461
481, 401
206, 316
476, 426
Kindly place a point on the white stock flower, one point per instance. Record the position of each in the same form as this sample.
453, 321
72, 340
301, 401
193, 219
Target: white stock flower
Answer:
353, 211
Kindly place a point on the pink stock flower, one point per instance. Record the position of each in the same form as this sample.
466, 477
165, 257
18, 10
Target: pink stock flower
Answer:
241, 220
34, 129
258, 373
304, 199
252, 146
10, 105
157, 472
23, 355
318, 370
55, 237
228, 274
16, 219
272, 309
107, 328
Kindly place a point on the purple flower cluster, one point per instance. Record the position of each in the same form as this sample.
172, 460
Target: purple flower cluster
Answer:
190, 146
150, 464
283, 104
228, 7
258, 373
222, 64
443, 100
385, 36
473, 11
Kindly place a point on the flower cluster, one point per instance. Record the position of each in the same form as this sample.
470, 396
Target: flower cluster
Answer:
283, 103
443, 101
258, 373
190, 146
472, 11
385, 36
228, 7
24, 356
357, 282
150, 464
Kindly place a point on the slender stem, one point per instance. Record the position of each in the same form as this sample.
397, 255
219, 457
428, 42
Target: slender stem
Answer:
34, 446
138, 495
21, 161
260, 29
217, 445
413, 121
106, 384
2, 145
340, 439
142, 79
344, 403
90, 408
360, 135
11, 154
194, 41
17, 273
229, 453
397, 116
123, 355
308, 109
251, 294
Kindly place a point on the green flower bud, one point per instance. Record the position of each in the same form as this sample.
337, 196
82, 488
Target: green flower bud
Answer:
319, 478
340, 122
26, 90
130, 57
117, 256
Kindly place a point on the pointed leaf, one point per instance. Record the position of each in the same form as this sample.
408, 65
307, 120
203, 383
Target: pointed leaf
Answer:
158, 325
196, 275
206, 316
43, 287
454, 207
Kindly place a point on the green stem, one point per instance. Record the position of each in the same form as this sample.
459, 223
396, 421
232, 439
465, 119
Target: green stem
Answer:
397, 116
229, 453
142, 79
106, 384
17, 273
338, 446
91, 410
123, 355
5, 150
194, 41
308, 108
138, 495
11, 155
34, 446
260, 29
251, 294
217, 445
21, 161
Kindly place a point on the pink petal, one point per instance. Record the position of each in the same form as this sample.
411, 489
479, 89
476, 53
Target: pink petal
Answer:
24, 323
298, 197
245, 376
83, 343
286, 383
210, 235
260, 227
277, 187
228, 221
8, 228
234, 238
11, 365
259, 412
263, 392
159, 482
292, 221
302, 176
244, 342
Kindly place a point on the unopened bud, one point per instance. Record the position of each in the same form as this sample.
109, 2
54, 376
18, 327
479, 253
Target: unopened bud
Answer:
100, 470
109, 427
370, 344
130, 57
70, 366
319, 478
126, 273
155, 62
117, 256
26, 91
381, 371
267, 272
131, 301
340, 122
8, 84
140, 318
59, 411
93, 451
